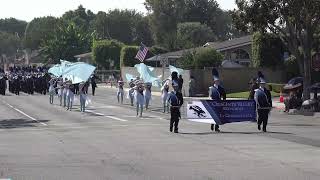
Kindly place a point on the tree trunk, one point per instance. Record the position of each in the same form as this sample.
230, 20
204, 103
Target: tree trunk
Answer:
307, 76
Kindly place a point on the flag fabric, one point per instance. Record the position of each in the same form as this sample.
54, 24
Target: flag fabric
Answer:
142, 53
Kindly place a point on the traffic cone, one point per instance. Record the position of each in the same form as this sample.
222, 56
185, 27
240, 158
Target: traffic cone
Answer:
281, 97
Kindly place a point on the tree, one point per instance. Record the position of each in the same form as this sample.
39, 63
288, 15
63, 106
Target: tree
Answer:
12, 26
165, 15
9, 43
81, 17
127, 26
100, 26
294, 21
143, 32
193, 34
38, 30
67, 41
107, 52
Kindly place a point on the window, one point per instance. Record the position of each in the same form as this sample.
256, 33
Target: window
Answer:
241, 54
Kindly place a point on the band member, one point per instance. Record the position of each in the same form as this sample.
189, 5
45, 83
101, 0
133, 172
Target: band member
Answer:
131, 91
264, 104
164, 96
3, 84
120, 91
60, 90
139, 97
217, 93
147, 94
175, 100
52, 90
70, 96
64, 92
83, 96
94, 83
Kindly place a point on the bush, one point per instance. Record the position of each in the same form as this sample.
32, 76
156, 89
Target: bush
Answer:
276, 87
207, 57
200, 58
187, 61
105, 51
127, 57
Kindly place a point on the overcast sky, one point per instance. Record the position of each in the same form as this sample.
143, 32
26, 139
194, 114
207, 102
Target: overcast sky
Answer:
28, 9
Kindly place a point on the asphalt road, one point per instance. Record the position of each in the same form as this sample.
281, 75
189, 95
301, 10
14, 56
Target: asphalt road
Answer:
42, 141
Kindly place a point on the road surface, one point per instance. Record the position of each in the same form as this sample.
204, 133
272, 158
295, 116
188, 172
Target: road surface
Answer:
43, 141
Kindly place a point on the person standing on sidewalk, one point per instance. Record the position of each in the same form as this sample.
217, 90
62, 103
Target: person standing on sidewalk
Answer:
217, 93
263, 99
175, 100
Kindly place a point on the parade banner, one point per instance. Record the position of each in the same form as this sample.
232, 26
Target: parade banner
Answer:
222, 112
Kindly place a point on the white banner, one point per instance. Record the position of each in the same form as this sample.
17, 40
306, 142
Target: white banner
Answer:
196, 112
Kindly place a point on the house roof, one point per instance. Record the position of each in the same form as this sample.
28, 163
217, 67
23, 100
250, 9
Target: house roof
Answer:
230, 44
85, 55
219, 46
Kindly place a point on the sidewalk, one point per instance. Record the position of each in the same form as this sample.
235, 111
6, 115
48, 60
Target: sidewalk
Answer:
275, 101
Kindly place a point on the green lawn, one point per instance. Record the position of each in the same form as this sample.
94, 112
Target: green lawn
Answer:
246, 95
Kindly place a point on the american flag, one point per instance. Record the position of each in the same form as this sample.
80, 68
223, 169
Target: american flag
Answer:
141, 55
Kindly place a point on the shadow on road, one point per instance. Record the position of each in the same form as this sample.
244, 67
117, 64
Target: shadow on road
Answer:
19, 123
229, 132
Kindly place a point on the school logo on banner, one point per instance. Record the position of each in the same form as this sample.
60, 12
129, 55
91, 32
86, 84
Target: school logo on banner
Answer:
222, 112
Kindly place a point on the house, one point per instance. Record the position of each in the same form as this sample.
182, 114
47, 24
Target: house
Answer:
86, 57
237, 51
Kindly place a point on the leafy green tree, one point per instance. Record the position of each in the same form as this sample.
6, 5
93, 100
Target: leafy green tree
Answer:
122, 24
81, 17
100, 26
294, 21
107, 52
127, 26
9, 43
38, 30
67, 41
143, 32
193, 34
12, 26
165, 15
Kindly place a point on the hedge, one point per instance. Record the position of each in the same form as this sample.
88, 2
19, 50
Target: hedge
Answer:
276, 87
267, 50
128, 54
200, 58
105, 50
